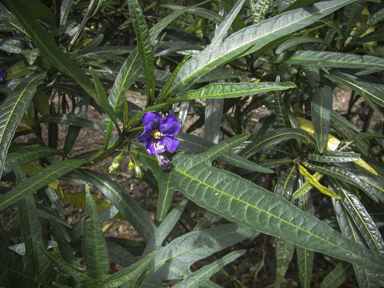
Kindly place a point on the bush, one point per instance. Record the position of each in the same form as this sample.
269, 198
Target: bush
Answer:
287, 176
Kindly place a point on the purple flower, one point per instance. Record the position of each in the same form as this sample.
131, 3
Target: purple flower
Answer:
159, 133
3, 75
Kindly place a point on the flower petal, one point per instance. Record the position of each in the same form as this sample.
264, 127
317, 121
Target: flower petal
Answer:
146, 134
152, 117
171, 144
154, 147
170, 126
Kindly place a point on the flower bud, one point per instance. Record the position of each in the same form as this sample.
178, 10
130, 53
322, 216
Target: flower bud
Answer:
164, 162
115, 164
139, 173
131, 167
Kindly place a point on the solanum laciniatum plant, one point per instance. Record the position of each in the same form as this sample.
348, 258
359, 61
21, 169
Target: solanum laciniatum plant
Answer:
303, 177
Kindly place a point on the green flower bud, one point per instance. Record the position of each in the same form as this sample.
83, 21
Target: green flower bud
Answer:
115, 164
131, 167
139, 173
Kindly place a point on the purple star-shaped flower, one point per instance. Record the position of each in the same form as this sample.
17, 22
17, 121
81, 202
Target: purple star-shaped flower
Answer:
159, 133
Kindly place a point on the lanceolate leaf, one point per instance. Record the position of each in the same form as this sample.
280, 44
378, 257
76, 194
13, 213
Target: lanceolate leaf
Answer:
94, 246
144, 45
127, 206
69, 120
364, 277
351, 14
333, 157
360, 216
47, 46
12, 109
251, 39
338, 275
284, 255
321, 115
66, 251
212, 119
204, 273
27, 155
194, 144
330, 60
39, 180
274, 137
241, 201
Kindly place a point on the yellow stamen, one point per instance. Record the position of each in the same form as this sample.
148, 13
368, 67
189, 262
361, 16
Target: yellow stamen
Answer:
156, 134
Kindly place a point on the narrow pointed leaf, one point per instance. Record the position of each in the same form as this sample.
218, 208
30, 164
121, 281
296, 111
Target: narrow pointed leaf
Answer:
349, 229
39, 180
165, 228
144, 44
238, 200
129, 274
127, 206
64, 247
321, 115
284, 255
203, 274
94, 246
69, 120
12, 109
285, 183
338, 275
27, 155
330, 60
351, 14
275, 137
119, 255
298, 41
47, 46
194, 144
212, 119
333, 157
251, 39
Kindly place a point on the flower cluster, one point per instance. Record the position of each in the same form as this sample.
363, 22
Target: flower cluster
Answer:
159, 133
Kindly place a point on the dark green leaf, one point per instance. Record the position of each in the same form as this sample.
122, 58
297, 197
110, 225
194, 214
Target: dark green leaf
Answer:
69, 120
39, 180
321, 115
12, 109
333, 157
284, 255
119, 255
338, 275
64, 247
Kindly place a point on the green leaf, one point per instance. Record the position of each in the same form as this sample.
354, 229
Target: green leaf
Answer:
364, 277
35, 264
250, 40
305, 187
351, 14
26, 155
275, 137
333, 157
13, 108
94, 246
39, 180
127, 206
284, 255
212, 119
285, 183
129, 274
119, 255
298, 41
194, 144
360, 217
231, 90
321, 108
41, 12
241, 201
69, 120
338, 275
11, 270
174, 260
203, 274
165, 228
202, 12
325, 59
343, 175
144, 45
305, 257
47, 46
64, 247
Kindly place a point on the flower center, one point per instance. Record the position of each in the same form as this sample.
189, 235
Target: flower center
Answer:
156, 134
